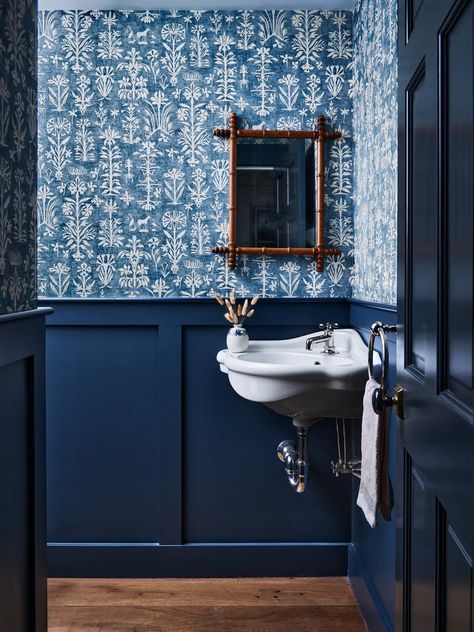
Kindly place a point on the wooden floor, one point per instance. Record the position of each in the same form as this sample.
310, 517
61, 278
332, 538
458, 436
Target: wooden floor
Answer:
203, 605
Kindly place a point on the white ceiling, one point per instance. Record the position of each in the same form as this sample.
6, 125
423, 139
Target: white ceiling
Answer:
224, 5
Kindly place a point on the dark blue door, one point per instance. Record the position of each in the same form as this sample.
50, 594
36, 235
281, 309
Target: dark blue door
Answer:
435, 345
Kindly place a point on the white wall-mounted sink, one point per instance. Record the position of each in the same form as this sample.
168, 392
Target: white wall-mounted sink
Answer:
304, 385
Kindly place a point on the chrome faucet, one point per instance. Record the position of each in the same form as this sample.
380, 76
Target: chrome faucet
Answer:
326, 336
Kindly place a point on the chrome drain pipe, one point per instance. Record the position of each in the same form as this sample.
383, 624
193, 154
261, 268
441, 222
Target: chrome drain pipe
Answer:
295, 459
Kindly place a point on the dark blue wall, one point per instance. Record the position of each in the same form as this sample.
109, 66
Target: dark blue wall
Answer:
372, 552
157, 468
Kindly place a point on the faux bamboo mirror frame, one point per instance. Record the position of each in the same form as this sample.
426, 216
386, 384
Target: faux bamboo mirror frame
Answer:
245, 137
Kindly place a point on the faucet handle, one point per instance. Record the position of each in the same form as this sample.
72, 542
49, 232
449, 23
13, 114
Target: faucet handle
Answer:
328, 326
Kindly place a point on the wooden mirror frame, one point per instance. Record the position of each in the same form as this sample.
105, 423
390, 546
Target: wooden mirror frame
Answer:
320, 135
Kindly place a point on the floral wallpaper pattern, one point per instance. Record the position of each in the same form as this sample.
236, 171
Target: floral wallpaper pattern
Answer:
133, 186
375, 158
17, 155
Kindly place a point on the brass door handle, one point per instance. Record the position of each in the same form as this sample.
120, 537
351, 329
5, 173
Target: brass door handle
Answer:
398, 401
381, 400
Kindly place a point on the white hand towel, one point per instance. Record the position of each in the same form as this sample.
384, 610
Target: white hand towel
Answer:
374, 490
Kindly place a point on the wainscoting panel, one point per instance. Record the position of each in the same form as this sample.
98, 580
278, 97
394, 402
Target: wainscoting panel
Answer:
157, 468
103, 433
22, 469
16, 495
234, 486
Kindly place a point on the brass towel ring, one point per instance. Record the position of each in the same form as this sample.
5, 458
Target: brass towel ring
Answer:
380, 399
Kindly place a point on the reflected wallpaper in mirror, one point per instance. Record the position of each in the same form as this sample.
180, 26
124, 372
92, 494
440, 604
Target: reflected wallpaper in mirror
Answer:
275, 193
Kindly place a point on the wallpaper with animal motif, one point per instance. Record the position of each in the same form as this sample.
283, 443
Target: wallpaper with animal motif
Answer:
133, 187
17, 155
375, 156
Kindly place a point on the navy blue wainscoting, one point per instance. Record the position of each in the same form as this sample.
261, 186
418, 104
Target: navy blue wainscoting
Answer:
155, 467
372, 552
22, 473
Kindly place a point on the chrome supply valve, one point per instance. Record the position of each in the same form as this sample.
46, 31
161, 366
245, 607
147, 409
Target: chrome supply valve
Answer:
344, 464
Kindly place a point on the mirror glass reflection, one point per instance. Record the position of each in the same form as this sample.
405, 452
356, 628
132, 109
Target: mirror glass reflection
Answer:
275, 192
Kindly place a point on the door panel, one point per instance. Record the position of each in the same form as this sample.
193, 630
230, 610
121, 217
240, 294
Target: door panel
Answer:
435, 342
422, 514
413, 8
418, 152
458, 585
456, 187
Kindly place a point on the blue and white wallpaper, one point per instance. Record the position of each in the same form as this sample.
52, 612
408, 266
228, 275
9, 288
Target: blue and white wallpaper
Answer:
133, 187
17, 155
375, 156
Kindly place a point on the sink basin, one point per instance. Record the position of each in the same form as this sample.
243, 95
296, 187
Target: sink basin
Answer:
304, 385
290, 358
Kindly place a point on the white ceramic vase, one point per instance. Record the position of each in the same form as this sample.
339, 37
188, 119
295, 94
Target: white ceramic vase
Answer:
237, 339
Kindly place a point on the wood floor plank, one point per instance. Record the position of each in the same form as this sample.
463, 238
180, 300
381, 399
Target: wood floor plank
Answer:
207, 619
203, 605
203, 592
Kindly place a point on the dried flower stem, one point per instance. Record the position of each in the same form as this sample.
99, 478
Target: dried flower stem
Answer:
237, 313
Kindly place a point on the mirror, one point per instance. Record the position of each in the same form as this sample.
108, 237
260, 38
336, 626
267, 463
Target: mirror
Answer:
275, 192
